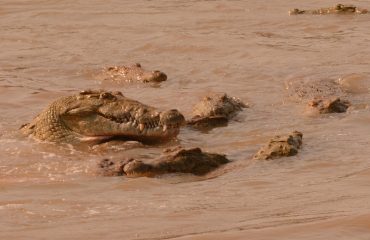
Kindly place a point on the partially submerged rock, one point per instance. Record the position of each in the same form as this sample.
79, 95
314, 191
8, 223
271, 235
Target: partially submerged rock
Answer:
281, 146
337, 9
181, 160
329, 105
131, 73
215, 110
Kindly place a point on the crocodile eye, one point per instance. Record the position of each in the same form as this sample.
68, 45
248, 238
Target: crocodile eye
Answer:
106, 95
117, 93
86, 92
339, 6
224, 97
80, 111
112, 68
138, 65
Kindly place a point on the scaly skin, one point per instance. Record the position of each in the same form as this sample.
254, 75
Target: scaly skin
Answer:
322, 96
337, 9
215, 110
308, 89
328, 105
132, 73
180, 160
281, 146
99, 115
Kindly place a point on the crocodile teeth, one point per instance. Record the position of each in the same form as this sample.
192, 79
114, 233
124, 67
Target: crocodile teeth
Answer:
164, 128
141, 127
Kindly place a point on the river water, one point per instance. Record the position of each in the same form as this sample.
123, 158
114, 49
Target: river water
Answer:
249, 49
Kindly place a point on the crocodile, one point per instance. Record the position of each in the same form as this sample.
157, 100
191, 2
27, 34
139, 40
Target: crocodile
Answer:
215, 110
131, 73
337, 9
280, 146
308, 89
328, 105
321, 96
97, 115
177, 160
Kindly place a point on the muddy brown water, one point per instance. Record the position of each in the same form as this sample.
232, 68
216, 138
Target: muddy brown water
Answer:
248, 49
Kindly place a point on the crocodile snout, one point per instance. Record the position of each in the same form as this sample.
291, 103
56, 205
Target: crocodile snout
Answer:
172, 117
159, 76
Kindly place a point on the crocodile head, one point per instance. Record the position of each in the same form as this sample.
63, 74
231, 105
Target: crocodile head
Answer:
100, 115
134, 73
218, 104
215, 110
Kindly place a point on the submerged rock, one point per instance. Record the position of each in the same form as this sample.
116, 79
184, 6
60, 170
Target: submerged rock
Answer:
281, 146
181, 160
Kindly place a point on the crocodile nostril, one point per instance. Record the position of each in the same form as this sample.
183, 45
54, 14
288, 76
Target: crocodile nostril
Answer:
173, 116
159, 76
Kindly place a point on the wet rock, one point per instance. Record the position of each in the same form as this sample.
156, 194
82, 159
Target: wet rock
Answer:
329, 105
281, 146
215, 110
181, 160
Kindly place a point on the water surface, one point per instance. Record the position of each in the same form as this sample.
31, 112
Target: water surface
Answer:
249, 49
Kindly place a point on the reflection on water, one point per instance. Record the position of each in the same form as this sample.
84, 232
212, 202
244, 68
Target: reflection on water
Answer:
247, 49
